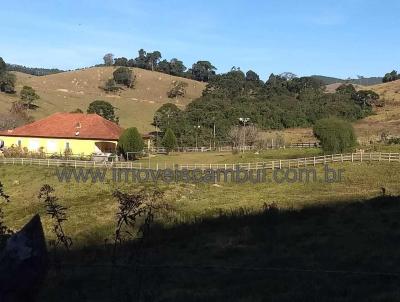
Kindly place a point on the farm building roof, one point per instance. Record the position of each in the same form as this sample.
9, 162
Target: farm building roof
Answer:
69, 125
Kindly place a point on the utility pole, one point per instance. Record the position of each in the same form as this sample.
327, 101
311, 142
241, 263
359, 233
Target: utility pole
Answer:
196, 129
244, 120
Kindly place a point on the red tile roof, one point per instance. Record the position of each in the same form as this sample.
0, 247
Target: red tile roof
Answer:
69, 125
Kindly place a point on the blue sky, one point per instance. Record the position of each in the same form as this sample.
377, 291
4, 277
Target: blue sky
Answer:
337, 38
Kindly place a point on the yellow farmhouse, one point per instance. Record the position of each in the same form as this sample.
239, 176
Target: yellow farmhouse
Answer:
75, 133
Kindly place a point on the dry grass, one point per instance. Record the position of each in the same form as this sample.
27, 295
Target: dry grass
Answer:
67, 91
386, 119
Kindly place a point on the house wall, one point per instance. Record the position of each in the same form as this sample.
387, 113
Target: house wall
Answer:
53, 145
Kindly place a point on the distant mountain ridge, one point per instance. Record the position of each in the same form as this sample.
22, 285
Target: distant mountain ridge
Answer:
362, 81
36, 71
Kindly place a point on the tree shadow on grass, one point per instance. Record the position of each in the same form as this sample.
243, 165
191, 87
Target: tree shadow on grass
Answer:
340, 252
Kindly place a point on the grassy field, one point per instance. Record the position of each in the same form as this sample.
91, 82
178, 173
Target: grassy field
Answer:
64, 92
229, 157
219, 242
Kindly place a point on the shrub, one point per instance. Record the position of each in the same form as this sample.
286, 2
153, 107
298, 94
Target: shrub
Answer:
335, 135
130, 141
178, 89
111, 86
124, 76
169, 140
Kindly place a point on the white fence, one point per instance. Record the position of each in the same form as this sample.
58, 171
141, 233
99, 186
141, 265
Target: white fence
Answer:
231, 148
273, 164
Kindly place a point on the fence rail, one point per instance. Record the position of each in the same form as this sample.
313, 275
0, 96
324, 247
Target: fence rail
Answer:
231, 148
273, 164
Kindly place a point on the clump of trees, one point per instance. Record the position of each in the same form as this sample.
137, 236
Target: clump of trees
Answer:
7, 79
130, 143
335, 135
178, 89
104, 109
200, 71
122, 77
391, 76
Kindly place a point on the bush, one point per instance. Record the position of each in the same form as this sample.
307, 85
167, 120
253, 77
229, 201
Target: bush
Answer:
124, 76
335, 135
394, 141
130, 141
111, 86
178, 89
169, 140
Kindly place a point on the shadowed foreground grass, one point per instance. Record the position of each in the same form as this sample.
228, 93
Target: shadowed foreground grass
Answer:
340, 252
219, 243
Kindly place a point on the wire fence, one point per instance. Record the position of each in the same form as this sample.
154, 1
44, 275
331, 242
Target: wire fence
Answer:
273, 164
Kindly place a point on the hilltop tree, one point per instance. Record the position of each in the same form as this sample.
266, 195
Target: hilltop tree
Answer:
391, 76
202, 71
169, 140
335, 135
124, 76
176, 67
152, 59
28, 97
108, 59
103, 109
140, 61
252, 76
121, 62
130, 141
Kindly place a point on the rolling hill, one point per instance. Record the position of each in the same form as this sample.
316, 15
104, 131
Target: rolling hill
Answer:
385, 119
67, 91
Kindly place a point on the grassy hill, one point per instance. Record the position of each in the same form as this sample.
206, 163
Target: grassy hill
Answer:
386, 119
64, 92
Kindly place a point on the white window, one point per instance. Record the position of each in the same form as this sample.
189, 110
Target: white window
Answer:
33, 145
51, 146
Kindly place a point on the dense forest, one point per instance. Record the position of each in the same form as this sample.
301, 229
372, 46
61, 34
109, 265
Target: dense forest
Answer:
280, 102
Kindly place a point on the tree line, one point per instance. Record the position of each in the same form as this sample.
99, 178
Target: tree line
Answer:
200, 71
33, 70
